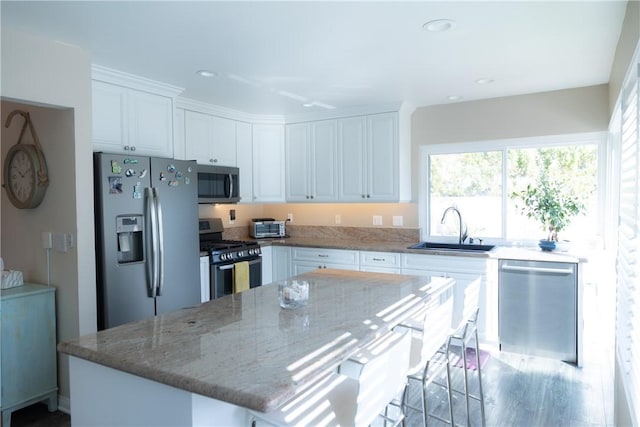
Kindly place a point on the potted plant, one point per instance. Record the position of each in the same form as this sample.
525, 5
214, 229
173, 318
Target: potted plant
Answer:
551, 205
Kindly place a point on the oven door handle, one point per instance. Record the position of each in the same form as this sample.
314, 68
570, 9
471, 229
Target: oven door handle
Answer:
230, 266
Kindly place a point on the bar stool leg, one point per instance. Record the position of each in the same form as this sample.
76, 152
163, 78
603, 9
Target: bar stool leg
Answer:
480, 392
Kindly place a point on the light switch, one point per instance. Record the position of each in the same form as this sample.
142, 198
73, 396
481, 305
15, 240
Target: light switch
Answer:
397, 220
377, 220
60, 242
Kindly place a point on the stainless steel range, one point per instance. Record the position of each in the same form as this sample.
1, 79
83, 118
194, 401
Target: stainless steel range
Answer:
225, 254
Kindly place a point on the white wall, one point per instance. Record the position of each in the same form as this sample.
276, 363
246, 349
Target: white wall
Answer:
42, 72
548, 113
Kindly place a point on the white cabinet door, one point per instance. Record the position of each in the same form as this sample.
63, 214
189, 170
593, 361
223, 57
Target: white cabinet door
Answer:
311, 161
197, 137
281, 263
223, 150
267, 264
323, 173
368, 162
382, 157
464, 270
205, 288
151, 123
351, 159
244, 148
210, 140
109, 119
297, 162
127, 120
268, 163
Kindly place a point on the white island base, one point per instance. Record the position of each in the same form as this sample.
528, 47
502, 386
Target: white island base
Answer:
103, 396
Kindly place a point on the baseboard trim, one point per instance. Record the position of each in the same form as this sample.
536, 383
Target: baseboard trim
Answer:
64, 404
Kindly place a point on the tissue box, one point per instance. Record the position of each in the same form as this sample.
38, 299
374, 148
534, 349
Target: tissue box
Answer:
11, 279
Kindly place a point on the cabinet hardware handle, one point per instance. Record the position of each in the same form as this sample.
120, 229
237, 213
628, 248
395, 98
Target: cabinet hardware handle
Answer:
378, 259
126, 148
323, 256
133, 148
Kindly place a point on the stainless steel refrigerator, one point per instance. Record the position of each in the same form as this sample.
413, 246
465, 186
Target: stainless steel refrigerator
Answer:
147, 253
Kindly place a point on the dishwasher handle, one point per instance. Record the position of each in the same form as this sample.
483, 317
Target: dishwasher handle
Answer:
507, 267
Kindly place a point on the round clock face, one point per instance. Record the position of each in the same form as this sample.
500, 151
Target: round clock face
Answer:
21, 177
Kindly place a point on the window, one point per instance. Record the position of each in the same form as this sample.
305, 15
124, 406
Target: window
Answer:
628, 257
480, 179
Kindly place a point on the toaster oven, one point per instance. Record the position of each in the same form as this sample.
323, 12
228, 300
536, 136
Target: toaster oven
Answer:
266, 227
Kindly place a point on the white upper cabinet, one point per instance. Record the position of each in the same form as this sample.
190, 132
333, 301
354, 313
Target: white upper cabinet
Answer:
311, 161
352, 171
131, 121
244, 149
268, 163
368, 165
210, 140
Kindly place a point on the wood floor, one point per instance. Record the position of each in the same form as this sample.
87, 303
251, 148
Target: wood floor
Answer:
519, 390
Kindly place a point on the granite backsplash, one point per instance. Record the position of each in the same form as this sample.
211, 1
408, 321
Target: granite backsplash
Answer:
373, 234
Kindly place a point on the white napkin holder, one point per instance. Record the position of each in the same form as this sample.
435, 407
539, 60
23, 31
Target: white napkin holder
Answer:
11, 279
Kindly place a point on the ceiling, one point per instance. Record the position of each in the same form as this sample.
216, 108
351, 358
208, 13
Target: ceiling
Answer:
272, 57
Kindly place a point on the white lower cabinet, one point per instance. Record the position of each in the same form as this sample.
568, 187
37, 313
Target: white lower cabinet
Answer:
281, 263
267, 264
464, 270
380, 262
205, 289
304, 260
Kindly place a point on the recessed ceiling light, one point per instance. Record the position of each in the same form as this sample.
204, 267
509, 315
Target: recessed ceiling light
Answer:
484, 81
439, 25
454, 98
206, 73
308, 104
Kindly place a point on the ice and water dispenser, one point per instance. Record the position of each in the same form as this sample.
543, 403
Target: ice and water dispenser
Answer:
129, 231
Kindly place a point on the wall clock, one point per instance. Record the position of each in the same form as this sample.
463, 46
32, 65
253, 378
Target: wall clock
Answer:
25, 169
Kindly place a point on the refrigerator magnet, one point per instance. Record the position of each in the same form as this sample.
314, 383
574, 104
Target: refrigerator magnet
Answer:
115, 185
115, 167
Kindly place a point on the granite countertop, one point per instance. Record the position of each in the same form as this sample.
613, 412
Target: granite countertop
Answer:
499, 252
246, 350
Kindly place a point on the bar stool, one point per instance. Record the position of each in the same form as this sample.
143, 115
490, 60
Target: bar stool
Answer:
466, 333
430, 328
376, 375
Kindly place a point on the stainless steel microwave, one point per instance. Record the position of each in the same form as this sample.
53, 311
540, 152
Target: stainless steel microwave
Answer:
218, 184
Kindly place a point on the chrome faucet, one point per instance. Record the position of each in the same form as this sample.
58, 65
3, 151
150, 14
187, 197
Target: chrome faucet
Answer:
462, 234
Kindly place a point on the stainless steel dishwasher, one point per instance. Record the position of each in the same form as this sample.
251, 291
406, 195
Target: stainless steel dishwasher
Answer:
537, 308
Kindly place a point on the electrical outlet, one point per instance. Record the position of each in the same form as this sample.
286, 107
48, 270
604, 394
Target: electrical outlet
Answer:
397, 220
338, 219
290, 217
377, 220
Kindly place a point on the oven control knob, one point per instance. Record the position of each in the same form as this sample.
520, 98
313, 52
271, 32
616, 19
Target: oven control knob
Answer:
223, 257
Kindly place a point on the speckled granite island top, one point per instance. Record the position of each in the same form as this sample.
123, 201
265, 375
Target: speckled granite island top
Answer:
246, 350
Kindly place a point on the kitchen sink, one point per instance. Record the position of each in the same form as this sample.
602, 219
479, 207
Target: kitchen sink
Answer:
435, 246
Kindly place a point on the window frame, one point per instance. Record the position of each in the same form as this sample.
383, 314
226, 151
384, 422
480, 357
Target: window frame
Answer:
600, 139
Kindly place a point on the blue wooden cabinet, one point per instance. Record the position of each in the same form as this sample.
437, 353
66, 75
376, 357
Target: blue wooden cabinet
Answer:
28, 346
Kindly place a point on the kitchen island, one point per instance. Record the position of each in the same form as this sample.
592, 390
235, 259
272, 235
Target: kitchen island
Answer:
206, 365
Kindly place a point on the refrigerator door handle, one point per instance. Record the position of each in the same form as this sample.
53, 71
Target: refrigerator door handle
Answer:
160, 242
151, 212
